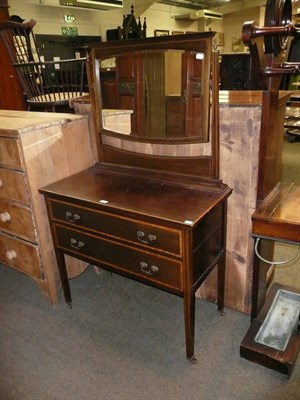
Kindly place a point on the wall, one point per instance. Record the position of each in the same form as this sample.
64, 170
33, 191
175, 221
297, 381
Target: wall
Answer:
94, 22
50, 19
233, 23
158, 16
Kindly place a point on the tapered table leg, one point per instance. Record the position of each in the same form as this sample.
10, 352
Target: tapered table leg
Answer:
64, 276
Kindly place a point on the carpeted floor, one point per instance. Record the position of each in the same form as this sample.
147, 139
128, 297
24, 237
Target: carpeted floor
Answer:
125, 341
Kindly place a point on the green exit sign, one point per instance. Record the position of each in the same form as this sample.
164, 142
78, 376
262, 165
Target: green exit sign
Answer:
69, 18
69, 31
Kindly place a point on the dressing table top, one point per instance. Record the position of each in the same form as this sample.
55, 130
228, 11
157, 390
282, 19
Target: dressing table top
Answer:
149, 194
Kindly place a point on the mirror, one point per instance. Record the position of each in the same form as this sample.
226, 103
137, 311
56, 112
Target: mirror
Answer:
156, 91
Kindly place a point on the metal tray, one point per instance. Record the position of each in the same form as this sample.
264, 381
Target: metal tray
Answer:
282, 319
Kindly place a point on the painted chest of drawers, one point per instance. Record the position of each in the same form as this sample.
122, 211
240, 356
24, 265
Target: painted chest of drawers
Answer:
36, 149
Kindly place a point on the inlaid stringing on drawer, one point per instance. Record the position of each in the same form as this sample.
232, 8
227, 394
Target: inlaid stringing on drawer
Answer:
150, 267
9, 153
165, 239
13, 185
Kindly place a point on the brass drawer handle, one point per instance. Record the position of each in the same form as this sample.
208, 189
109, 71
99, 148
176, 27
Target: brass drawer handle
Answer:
76, 244
143, 238
148, 270
10, 254
1, 183
5, 216
72, 217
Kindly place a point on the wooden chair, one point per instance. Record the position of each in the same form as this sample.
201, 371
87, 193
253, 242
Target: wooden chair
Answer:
47, 85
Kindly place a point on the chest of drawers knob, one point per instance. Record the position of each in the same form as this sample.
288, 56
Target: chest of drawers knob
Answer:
10, 254
5, 216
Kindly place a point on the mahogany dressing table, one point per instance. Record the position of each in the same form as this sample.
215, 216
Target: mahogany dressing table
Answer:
153, 207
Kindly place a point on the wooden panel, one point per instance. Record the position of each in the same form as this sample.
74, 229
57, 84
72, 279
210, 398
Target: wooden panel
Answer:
206, 254
209, 223
168, 149
200, 166
239, 130
54, 147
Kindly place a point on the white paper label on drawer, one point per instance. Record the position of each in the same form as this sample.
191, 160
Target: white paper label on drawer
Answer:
103, 201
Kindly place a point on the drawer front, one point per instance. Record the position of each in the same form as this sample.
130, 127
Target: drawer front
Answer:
9, 153
144, 265
17, 220
20, 255
13, 185
156, 237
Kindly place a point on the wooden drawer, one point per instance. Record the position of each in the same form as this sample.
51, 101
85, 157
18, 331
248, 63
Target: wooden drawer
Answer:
140, 264
19, 254
9, 153
17, 220
165, 239
13, 186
